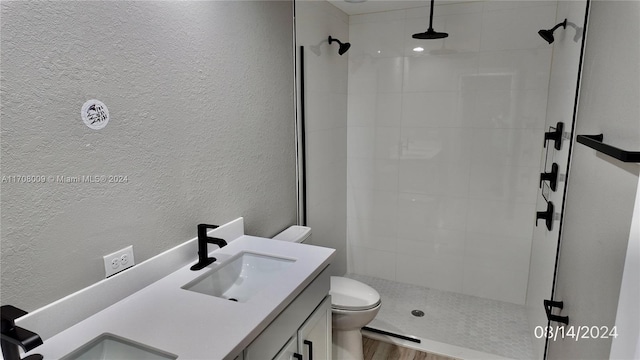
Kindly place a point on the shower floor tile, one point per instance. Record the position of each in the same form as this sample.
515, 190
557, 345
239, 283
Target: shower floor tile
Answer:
485, 325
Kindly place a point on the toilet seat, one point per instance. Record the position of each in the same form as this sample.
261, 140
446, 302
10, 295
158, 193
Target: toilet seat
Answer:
352, 295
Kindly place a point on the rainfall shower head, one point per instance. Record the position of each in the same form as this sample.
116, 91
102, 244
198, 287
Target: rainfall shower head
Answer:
548, 34
343, 46
430, 33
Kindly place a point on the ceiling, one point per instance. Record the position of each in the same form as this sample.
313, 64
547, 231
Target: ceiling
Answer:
371, 6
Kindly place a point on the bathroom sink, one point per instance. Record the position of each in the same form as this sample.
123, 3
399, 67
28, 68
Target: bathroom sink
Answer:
241, 278
109, 346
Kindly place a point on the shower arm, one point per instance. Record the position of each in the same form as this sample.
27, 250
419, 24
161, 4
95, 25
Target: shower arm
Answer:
431, 16
563, 24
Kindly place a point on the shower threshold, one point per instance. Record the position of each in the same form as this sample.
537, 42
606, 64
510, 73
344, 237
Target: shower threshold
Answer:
453, 324
435, 347
388, 333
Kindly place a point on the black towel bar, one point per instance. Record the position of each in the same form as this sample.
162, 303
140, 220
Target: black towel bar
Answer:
595, 142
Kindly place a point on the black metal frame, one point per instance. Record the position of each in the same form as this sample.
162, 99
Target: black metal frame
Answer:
566, 182
302, 151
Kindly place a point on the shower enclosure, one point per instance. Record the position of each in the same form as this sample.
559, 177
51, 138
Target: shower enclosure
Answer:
424, 158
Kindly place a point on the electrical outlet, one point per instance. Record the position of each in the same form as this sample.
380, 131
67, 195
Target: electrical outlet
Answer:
118, 261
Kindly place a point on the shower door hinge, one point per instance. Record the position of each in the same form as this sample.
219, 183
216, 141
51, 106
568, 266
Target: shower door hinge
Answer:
549, 305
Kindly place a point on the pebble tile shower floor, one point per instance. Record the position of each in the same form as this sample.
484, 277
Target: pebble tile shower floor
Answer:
471, 322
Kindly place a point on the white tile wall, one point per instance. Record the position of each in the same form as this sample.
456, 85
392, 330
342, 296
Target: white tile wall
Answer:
562, 92
515, 28
326, 124
431, 109
444, 145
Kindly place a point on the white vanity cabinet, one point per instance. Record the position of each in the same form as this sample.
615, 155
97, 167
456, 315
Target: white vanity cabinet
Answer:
302, 331
313, 340
289, 351
314, 337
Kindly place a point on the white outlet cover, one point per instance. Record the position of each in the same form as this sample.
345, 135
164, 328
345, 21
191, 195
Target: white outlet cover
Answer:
113, 263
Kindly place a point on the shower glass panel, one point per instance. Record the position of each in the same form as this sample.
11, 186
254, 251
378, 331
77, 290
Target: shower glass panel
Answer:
439, 178
324, 99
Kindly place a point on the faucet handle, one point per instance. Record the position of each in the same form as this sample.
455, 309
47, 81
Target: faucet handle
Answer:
202, 229
14, 336
9, 314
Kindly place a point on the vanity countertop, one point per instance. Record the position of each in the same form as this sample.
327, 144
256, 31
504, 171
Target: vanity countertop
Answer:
193, 325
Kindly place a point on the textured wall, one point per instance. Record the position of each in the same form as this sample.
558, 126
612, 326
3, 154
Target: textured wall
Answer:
200, 98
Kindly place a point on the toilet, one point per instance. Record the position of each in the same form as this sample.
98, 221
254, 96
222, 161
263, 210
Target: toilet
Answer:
353, 305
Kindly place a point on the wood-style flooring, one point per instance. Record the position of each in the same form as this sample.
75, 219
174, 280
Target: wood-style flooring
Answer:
378, 350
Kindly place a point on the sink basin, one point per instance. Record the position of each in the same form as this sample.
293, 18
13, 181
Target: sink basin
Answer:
109, 346
241, 278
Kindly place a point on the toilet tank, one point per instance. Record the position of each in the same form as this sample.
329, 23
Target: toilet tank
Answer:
295, 233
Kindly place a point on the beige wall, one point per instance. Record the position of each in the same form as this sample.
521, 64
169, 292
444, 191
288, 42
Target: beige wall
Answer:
201, 102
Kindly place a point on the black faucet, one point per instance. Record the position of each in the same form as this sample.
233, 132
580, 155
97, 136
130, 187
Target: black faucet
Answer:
203, 240
14, 336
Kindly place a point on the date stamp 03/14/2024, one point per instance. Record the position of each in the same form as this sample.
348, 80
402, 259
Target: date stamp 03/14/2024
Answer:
575, 333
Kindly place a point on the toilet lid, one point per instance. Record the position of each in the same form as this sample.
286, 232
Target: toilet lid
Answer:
349, 294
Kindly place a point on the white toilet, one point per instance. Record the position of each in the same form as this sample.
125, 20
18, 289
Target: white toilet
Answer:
353, 305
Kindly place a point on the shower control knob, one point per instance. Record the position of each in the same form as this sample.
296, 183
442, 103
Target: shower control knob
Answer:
555, 136
547, 216
551, 177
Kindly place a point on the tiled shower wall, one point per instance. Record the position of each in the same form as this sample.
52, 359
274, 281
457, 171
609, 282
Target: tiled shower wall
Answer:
325, 78
560, 106
444, 145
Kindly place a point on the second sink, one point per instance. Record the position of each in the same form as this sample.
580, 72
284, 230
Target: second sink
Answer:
109, 346
241, 278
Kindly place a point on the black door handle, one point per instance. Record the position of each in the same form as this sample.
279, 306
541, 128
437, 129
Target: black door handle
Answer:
297, 356
308, 342
547, 215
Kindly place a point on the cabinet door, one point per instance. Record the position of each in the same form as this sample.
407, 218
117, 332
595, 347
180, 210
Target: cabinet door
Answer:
314, 337
289, 351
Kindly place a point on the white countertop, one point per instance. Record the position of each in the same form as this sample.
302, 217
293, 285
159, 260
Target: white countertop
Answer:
193, 325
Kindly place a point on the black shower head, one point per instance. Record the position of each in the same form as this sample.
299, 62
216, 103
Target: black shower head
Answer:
548, 34
343, 46
429, 35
